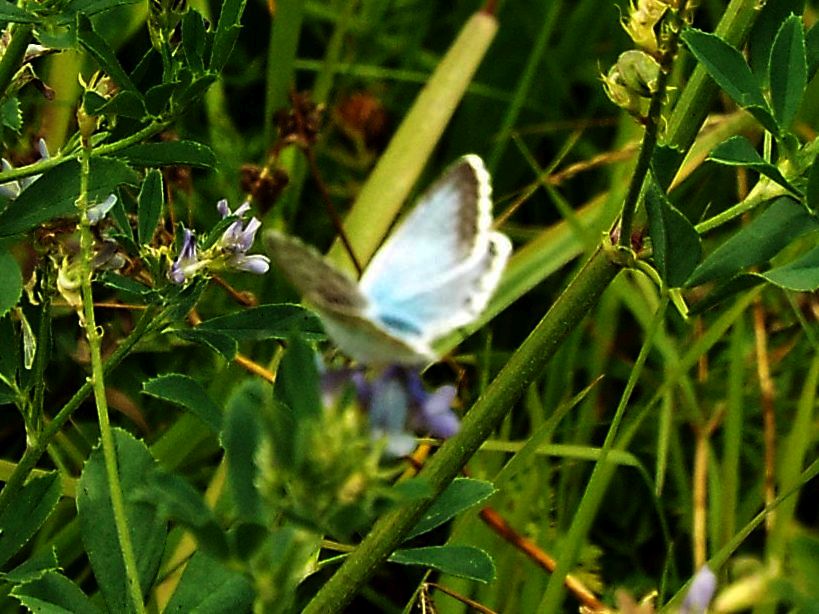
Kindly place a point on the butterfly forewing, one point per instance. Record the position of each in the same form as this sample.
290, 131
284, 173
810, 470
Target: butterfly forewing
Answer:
446, 228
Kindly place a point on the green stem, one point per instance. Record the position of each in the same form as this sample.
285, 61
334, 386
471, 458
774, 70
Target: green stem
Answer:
14, 54
598, 482
94, 336
37, 448
649, 143
523, 367
43, 345
42, 166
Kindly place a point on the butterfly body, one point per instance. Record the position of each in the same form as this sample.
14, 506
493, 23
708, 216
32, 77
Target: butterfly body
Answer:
433, 274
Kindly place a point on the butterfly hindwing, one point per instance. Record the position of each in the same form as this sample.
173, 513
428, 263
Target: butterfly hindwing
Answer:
341, 305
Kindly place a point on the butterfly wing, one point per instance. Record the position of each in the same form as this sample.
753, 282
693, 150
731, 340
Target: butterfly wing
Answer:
438, 269
438, 235
341, 306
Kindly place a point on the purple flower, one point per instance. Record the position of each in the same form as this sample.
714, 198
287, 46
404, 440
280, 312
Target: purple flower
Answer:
187, 263
700, 592
238, 238
398, 405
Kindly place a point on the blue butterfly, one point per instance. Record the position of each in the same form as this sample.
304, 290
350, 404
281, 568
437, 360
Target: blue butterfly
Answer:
433, 274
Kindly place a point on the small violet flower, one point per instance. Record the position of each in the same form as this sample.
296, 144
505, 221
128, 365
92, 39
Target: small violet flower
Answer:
398, 405
238, 238
229, 252
701, 592
187, 263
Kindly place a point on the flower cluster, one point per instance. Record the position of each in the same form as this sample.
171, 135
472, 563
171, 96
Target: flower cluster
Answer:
228, 253
398, 405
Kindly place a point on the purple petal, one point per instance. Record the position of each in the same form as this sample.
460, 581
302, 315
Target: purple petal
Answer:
187, 260
243, 208
43, 149
436, 413
255, 263
222, 208
701, 592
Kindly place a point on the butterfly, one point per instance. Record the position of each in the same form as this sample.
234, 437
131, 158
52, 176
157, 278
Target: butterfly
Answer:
434, 273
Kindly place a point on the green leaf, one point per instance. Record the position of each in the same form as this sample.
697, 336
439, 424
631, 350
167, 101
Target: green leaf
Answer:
150, 201
99, 533
126, 103
728, 69
11, 282
764, 31
801, 275
170, 153
193, 40
128, 285
812, 190
726, 66
32, 507
53, 593
175, 499
297, 381
757, 242
677, 246
33, 568
102, 53
664, 164
788, 71
208, 587
91, 7
275, 321
221, 343
227, 31
188, 393
460, 561
10, 114
460, 495
738, 151
13, 14
158, 96
241, 438
54, 194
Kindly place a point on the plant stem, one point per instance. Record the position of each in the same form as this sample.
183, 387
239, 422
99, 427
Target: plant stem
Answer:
523, 367
94, 336
14, 54
42, 166
652, 128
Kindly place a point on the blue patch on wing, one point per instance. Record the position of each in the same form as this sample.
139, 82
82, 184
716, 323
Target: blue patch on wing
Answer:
399, 325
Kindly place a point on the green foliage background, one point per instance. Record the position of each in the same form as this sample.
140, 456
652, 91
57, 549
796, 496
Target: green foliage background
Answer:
702, 419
